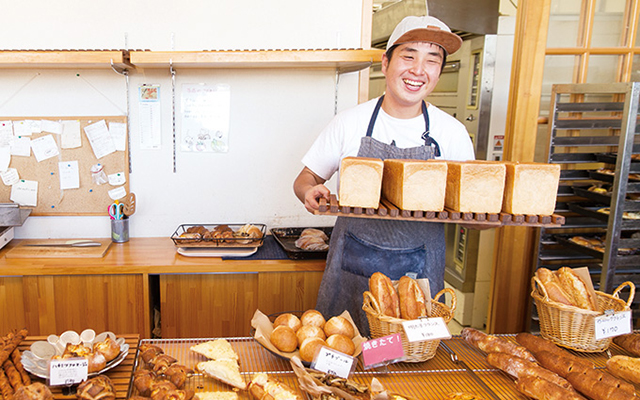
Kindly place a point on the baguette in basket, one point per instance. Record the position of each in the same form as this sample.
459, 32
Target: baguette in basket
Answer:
569, 287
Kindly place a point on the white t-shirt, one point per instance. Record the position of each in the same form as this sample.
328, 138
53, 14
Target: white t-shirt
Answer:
341, 137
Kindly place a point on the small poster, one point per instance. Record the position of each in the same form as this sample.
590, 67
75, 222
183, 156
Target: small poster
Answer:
205, 118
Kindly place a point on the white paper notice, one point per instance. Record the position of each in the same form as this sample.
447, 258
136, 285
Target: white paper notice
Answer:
6, 133
117, 179
150, 123
21, 146
5, 157
25, 193
71, 138
117, 193
69, 175
10, 176
36, 125
206, 112
100, 139
22, 128
118, 132
51, 126
44, 147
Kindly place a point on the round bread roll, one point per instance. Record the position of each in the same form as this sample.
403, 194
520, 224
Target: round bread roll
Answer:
339, 325
310, 347
341, 343
284, 338
307, 331
97, 362
109, 348
313, 317
289, 320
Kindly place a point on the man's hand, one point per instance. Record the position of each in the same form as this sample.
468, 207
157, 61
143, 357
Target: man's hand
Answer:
309, 187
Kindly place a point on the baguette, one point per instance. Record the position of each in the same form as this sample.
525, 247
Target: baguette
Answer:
537, 344
563, 365
264, 387
629, 342
412, 301
577, 288
491, 344
383, 291
541, 389
599, 385
627, 368
519, 368
552, 286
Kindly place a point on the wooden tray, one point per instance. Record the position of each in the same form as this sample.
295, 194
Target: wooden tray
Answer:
22, 251
388, 211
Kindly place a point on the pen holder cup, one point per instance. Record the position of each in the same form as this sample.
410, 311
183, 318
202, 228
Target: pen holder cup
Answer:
120, 230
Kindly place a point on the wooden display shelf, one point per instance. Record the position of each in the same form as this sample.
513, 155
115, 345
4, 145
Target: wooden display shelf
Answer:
344, 60
62, 59
388, 211
119, 375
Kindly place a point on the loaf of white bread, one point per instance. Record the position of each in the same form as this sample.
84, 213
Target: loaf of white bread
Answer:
360, 182
415, 184
531, 188
475, 186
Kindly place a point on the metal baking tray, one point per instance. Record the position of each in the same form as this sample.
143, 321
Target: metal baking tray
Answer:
287, 237
217, 242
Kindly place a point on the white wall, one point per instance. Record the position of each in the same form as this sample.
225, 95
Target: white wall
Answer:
275, 114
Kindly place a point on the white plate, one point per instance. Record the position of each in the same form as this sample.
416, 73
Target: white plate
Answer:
39, 366
216, 252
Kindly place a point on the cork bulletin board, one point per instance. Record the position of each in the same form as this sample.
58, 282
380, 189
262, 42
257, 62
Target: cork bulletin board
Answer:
90, 198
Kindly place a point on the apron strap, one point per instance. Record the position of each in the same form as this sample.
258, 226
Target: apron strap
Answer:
372, 121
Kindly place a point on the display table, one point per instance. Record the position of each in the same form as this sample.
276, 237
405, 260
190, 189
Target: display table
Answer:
196, 297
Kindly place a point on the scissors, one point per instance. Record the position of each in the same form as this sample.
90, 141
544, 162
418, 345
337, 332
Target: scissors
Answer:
115, 210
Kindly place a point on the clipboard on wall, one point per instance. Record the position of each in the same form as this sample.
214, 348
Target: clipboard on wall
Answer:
90, 198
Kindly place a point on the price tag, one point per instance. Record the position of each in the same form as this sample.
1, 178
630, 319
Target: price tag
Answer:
609, 325
382, 350
419, 330
333, 362
68, 371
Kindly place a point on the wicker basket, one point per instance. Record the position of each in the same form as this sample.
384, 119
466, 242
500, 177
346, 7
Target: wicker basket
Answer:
382, 325
574, 327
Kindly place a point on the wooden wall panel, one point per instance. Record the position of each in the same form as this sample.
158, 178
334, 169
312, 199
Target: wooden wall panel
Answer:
207, 305
101, 302
12, 315
291, 291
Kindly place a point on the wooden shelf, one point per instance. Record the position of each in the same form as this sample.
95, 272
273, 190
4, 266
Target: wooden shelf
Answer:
344, 60
61, 59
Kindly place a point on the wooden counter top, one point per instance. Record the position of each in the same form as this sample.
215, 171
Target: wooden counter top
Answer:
146, 256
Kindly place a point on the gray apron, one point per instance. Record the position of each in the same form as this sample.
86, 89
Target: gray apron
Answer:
360, 246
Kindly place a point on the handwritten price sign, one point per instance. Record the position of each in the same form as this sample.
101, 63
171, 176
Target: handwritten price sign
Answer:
419, 330
68, 371
615, 324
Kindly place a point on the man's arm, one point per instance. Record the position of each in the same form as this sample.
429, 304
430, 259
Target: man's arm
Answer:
309, 187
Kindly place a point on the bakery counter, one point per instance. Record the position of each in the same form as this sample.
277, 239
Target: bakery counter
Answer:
136, 283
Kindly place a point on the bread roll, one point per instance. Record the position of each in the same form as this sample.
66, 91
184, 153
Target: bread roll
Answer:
412, 301
310, 347
97, 362
577, 288
383, 291
97, 388
284, 338
339, 325
360, 182
531, 188
475, 186
629, 342
553, 287
108, 347
313, 317
307, 331
289, 320
341, 343
415, 184
34, 391
627, 368
541, 389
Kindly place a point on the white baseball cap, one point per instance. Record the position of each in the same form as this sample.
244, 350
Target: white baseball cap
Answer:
425, 29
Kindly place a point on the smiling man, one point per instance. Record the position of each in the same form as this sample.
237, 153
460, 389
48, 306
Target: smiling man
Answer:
399, 124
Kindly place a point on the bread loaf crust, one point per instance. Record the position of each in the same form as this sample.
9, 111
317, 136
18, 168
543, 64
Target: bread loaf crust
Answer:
562, 365
385, 294
412, 300
541, 389
519, 368
573, 284
491, 344
552, 287
537, 344
630, 342
627, 368
599, 385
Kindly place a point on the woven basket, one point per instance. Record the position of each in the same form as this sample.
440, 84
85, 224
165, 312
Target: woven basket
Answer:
574, 327
383, 325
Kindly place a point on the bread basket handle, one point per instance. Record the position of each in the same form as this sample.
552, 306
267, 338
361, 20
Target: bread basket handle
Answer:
454, 301
632, 291
537, 285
